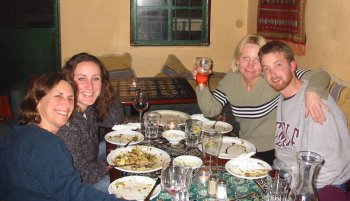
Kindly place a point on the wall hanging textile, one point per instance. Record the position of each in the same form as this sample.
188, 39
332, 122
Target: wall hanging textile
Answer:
283, 20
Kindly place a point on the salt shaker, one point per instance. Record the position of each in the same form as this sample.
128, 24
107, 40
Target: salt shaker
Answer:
212, 186
221, 190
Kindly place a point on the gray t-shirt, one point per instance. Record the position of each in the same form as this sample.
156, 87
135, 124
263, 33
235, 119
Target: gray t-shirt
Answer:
296, 133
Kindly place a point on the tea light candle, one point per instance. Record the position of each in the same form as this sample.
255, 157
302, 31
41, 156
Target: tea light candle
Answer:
203, 178
133, 83
172, 125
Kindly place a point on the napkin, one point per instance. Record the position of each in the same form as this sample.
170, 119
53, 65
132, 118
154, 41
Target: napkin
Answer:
128, 126
244, 156
199, 117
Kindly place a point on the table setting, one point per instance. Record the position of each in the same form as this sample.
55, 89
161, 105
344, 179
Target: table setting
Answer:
178, 139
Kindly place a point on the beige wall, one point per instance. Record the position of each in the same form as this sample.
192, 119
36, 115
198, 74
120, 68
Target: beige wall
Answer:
88, 25
104, 28
328, 36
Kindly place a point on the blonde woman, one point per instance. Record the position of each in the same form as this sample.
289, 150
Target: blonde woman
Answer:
253, 102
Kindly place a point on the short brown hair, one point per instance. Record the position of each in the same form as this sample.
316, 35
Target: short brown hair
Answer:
38, 89
277, 46
107, 96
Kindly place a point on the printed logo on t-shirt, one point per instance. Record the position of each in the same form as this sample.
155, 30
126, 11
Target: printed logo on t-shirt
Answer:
286, 136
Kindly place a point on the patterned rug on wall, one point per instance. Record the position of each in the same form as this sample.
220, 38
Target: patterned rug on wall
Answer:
283, 20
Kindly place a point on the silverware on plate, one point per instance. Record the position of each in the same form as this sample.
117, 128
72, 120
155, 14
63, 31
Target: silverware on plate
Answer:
151, 192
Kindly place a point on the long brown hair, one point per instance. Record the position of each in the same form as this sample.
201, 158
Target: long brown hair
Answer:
107, 96
37, 90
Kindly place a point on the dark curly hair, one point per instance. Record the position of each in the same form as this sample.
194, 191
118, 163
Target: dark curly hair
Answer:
107, 96
36, 91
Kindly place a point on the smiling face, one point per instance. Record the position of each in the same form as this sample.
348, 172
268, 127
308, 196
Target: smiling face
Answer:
277, 70
56, 106
87, 76
248, 63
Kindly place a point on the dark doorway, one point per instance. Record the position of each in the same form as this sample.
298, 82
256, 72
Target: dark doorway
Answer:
29, 40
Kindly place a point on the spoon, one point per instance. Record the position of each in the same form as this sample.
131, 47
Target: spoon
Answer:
134, 139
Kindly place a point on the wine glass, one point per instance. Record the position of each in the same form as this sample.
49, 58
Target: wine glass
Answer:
140, 103
175, 179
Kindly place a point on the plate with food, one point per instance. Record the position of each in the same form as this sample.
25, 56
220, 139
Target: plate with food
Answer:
220, 126
122, 137
188, 161
137, 159
250, 168
181, 117
133, 187
233, 147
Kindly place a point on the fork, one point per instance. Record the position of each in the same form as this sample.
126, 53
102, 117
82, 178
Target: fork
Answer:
135, 138
213, 126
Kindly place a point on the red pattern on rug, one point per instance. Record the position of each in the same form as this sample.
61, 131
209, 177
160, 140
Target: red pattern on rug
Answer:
283, 20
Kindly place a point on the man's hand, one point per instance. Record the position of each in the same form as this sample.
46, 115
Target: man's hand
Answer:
314, 106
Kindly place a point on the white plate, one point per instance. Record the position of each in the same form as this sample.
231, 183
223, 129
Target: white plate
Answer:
134, 188
220, 126
161, 155
181, 117
239, 168
233, 151
121, 137
188, 161
174, 136
235, 147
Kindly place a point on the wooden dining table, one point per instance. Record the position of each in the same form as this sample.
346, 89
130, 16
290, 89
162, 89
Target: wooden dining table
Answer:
237, 188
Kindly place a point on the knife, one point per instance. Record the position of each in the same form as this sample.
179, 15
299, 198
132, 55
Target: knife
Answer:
151, 192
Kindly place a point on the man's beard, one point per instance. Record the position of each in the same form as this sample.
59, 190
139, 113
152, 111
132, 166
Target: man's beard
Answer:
284, 83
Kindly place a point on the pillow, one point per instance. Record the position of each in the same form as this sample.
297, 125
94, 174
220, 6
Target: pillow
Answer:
341, 95
115, 62
173, 64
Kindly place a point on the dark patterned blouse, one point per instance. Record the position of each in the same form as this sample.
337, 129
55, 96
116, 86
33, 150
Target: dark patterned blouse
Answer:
81, 137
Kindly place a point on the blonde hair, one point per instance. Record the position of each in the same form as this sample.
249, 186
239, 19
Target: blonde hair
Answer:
248, 39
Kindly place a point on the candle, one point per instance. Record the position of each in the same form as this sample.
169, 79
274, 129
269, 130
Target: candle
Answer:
203, 178
171, 124
133, 83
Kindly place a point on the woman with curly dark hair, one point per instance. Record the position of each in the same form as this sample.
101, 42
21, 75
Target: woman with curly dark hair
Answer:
35, 162
97, 106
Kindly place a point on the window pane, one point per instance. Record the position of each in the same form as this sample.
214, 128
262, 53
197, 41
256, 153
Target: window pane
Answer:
152, 2
152, 24
187, 3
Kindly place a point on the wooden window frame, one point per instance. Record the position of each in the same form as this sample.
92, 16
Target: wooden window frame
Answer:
169, 28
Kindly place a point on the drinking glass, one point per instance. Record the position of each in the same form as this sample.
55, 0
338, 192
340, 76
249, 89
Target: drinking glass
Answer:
140, 103
278, 184
151, 124
175, 179
203, 67
211, 146
193, 129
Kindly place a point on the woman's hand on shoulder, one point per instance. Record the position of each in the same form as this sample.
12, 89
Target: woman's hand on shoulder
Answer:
314, 107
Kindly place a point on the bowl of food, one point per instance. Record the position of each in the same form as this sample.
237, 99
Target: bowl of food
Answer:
174, 136
188, 161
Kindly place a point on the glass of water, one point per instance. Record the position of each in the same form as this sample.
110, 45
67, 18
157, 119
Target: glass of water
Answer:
193, 129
